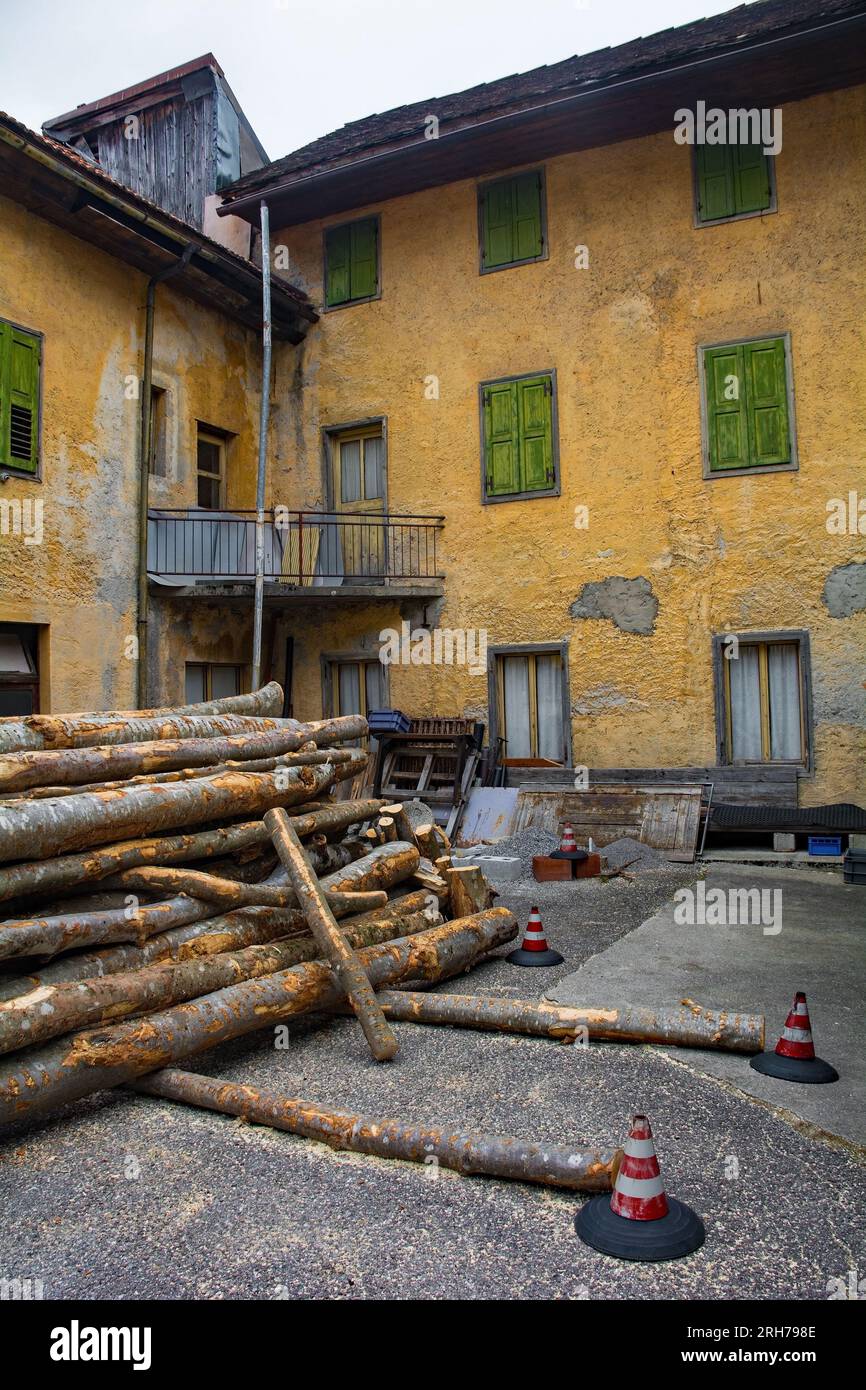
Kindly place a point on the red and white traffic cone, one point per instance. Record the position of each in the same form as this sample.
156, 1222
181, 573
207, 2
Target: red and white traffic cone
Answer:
534, 950
567, 844
640, 1222
794, 1058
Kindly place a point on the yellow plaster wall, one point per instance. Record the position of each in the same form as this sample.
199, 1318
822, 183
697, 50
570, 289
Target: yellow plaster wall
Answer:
745, 553
81, 580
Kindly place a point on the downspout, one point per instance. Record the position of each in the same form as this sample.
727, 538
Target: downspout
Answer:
144, 466
264, 415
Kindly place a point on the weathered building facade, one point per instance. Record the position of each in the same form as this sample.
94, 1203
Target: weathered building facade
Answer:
577, 438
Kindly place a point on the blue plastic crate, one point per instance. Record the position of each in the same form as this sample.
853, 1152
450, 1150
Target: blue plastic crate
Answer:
388, 721
825, 844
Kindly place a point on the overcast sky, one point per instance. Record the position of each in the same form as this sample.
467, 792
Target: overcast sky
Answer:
301, 68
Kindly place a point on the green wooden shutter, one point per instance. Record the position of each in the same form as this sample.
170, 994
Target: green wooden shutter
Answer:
338, 256
528, 240
750, 173
535, 426
501, 439
767, 402
20, 356
498, 224
727, 414
715, 182
365, 258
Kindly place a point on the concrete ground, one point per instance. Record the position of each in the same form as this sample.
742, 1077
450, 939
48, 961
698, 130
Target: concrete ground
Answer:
128, 1197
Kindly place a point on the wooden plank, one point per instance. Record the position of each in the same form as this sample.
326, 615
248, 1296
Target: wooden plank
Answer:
667, 818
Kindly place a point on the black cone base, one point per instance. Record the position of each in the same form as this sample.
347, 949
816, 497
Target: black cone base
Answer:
808, 1071
577, 855
674, 1235
521, 957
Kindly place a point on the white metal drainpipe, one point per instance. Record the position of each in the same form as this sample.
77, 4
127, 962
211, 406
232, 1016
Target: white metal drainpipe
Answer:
263, 447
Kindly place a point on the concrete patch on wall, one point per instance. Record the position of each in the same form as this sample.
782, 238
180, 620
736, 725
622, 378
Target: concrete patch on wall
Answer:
629, 603
845, 590
602, 698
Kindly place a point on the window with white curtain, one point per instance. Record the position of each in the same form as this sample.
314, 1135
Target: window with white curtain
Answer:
356, 687
763, 688
529, 691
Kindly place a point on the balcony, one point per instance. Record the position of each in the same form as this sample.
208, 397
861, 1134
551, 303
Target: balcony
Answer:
307, 554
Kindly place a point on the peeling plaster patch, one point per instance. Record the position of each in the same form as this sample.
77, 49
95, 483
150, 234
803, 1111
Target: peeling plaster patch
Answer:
629, 603
604, 697
845, 590
604, 554
664, 561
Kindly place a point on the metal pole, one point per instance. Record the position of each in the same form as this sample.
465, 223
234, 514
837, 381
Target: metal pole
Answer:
263, 447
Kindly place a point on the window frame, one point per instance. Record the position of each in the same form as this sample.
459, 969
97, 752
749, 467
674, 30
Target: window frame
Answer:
208, 666
792, 466
327, 308
559, 649
490, 500
697, 221
331, 436
481, 189
210, 434
33, 474
721, 698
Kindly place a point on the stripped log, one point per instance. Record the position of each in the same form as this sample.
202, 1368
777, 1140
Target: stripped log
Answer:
495, 1155
468, 890
52, 1010
91, 818
688, 1025
334, 945
250, 926
49, 875
40, 1079
16, 733
46, 936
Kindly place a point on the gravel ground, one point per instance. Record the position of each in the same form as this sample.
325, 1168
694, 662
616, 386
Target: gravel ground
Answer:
128, 1197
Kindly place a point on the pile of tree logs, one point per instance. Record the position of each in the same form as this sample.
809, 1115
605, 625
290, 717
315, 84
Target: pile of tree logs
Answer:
171, 879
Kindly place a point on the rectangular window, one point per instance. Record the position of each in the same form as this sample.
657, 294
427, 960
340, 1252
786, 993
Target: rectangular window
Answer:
356, 687
763, 696
352, 262
212, 680
210, 468
20, 368
530, 705
748, 406
519, 453
511, 220
158, 462
732, 181
19, 669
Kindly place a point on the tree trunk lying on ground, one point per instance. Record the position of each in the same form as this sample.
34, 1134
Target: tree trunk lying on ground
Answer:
50, 875
17, 733
39, 1080
688, 1025
49, 1011
333, 945
120, 762
497, 1155
47, 828
250, 926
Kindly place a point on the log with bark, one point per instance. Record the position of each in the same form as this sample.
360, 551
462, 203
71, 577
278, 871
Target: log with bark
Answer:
496, 1155
91, 818
51, 875
684, 1025
468, 890
41, 1079
47, 936
17, 733
49, 1011
249, 926
334, 946
20, 771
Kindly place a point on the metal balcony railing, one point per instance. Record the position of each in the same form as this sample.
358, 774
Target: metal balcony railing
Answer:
303, 549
